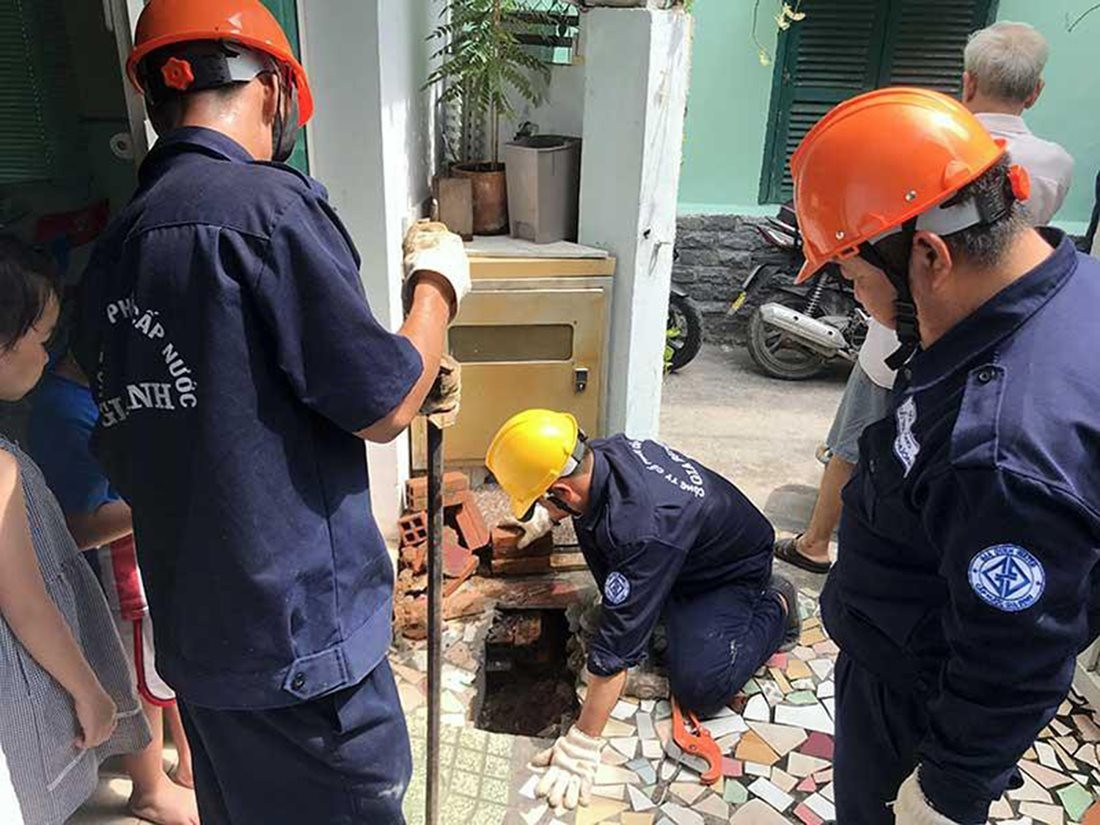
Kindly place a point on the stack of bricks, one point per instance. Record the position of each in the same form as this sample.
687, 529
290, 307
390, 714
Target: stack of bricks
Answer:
464, 533
509, 559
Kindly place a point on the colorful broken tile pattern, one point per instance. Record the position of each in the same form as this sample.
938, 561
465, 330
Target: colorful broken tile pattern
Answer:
776, 768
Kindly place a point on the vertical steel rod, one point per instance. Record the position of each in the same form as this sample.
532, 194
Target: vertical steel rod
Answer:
435, 614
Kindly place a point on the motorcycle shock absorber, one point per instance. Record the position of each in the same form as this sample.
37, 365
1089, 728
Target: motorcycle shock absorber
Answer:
815, 296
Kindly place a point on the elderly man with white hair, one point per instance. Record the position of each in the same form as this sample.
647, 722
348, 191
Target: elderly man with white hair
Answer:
1003, 78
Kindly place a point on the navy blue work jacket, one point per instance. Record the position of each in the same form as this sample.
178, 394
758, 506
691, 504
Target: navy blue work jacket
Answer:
971, 530
233, 355
660, 523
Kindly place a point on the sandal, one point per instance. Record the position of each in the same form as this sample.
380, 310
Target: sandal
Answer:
787, 550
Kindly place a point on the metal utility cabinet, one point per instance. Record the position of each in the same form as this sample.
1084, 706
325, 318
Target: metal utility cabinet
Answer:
532, 333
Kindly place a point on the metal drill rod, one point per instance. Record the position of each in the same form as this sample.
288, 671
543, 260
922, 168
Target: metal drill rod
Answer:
435, 614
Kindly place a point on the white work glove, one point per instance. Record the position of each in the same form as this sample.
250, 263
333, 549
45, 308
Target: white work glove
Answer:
431, 247
571, 767
913, 808
539, 525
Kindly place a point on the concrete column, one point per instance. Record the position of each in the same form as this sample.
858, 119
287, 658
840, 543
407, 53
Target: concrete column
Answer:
366, 63
637, 73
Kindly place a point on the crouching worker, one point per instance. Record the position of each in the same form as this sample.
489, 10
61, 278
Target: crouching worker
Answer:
663, 536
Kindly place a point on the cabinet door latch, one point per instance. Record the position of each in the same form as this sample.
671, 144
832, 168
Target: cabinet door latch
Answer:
580, 379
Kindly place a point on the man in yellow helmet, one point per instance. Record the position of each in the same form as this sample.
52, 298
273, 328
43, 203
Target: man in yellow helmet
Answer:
664, 536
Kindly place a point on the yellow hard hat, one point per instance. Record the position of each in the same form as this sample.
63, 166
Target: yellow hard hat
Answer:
530, 452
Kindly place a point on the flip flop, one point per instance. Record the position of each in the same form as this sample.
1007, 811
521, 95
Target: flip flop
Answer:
787, 550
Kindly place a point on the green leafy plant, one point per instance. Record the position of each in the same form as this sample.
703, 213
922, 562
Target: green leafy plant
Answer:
784, 17
484, 62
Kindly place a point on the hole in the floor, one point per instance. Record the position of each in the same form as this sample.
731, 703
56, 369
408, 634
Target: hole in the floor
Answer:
529, 688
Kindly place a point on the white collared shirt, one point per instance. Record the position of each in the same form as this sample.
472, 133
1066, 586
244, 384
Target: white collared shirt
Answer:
1049, 165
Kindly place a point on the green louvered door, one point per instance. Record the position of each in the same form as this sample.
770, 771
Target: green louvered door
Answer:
38, 127
845, 47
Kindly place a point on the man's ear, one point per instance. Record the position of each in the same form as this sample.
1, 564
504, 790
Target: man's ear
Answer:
1033, 98
269, 83
970, 87
562, 491
930, 262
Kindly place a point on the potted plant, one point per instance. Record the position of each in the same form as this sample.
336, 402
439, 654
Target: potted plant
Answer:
483, 64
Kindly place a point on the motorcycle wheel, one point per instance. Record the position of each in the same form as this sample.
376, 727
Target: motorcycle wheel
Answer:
777, 354
685, 327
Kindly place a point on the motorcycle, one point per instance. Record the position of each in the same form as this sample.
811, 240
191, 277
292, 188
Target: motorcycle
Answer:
684, 335
794, 330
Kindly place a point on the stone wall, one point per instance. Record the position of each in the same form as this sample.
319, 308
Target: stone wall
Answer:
715, 253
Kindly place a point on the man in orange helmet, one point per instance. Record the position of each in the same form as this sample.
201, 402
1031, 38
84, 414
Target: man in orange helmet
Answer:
238, 368
969, 538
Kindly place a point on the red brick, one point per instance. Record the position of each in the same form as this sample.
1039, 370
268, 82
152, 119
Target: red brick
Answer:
455, 559
414, 612
452, 584
416, 490
516, 631
414, 529
505, 540
471, 524
415, 558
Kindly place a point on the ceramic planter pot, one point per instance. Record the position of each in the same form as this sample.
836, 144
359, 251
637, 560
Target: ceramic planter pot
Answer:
490, 196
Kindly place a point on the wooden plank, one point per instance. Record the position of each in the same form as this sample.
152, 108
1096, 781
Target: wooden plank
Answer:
568, 561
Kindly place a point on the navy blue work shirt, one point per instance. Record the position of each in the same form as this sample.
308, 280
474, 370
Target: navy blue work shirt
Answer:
969, 541
233, 356
660, 523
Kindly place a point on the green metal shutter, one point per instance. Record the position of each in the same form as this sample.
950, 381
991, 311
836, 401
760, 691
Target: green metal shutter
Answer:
38, 130
829, 56
845, 47
286, 12
925, 41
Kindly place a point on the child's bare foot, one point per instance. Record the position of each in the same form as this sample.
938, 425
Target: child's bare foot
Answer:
165, 804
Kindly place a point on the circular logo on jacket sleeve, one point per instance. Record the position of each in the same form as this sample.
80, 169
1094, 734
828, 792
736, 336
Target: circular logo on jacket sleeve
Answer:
1008, 577
616, 589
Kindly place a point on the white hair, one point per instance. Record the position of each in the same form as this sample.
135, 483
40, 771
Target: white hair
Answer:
1007, 60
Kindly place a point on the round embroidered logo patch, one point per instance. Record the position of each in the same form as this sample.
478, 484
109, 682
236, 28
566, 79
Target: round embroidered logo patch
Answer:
1008, 577
616, 589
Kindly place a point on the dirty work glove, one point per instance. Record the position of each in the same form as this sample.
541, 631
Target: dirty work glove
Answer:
539, 525
913, 808
571, 767
442, 403
431, 247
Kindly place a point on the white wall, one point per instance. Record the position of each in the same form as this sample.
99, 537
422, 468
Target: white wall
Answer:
368, 144
630, 171
561, 111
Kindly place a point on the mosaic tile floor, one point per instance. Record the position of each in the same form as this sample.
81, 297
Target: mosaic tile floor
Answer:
777, 765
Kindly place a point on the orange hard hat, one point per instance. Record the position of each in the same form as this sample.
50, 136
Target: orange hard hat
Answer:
879, 160
247, 22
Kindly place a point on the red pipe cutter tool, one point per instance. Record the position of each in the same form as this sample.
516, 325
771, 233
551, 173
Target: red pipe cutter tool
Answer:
701, 751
